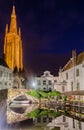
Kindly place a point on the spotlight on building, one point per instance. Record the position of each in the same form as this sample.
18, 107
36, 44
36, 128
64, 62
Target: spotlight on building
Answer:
33, 84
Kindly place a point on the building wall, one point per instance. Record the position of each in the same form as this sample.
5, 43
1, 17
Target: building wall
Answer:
6, 78
73, 77
72, 124
46, 82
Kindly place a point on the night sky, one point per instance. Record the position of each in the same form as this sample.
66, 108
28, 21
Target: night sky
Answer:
50, 30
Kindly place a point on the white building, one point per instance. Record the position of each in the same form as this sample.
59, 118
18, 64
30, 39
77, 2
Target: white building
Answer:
73, 74
46, 82
6, 76
70, 78
65, 123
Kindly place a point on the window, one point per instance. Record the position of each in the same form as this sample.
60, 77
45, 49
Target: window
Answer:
78, 86
55, 81
9, 84
73, 123
64, 119
50, 82
38, 119
44, 82
0, 73
6, 74
63, 88
0, 83
47, 74
50, 119
66, 75
39, 82
5, 83
71, 86
10, 76
77, 72
50, 89
83, 64
80, 126
44, 89
44, 119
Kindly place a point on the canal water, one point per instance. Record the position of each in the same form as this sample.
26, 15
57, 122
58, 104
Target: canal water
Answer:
38, 117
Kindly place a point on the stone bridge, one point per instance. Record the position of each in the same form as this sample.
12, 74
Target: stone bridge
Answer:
13, 93
16, 117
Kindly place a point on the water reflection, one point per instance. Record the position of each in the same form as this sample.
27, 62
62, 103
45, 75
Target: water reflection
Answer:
3, 105
35, 117
18, 112
66, 123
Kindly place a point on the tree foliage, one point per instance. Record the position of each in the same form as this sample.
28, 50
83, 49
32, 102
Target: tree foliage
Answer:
42, 112
42, 94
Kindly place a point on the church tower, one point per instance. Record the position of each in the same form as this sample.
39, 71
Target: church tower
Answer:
13, 44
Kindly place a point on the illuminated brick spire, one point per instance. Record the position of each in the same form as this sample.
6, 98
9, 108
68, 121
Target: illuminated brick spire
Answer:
13, 23
13, 44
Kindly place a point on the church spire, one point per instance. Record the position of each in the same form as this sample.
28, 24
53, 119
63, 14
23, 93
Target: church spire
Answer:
13, 23
13, 49
6, 30
19, 32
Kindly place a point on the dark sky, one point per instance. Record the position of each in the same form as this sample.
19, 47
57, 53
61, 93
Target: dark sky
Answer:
50, 30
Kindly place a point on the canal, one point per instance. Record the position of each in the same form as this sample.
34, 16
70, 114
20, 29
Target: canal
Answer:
40, 117
22, 114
